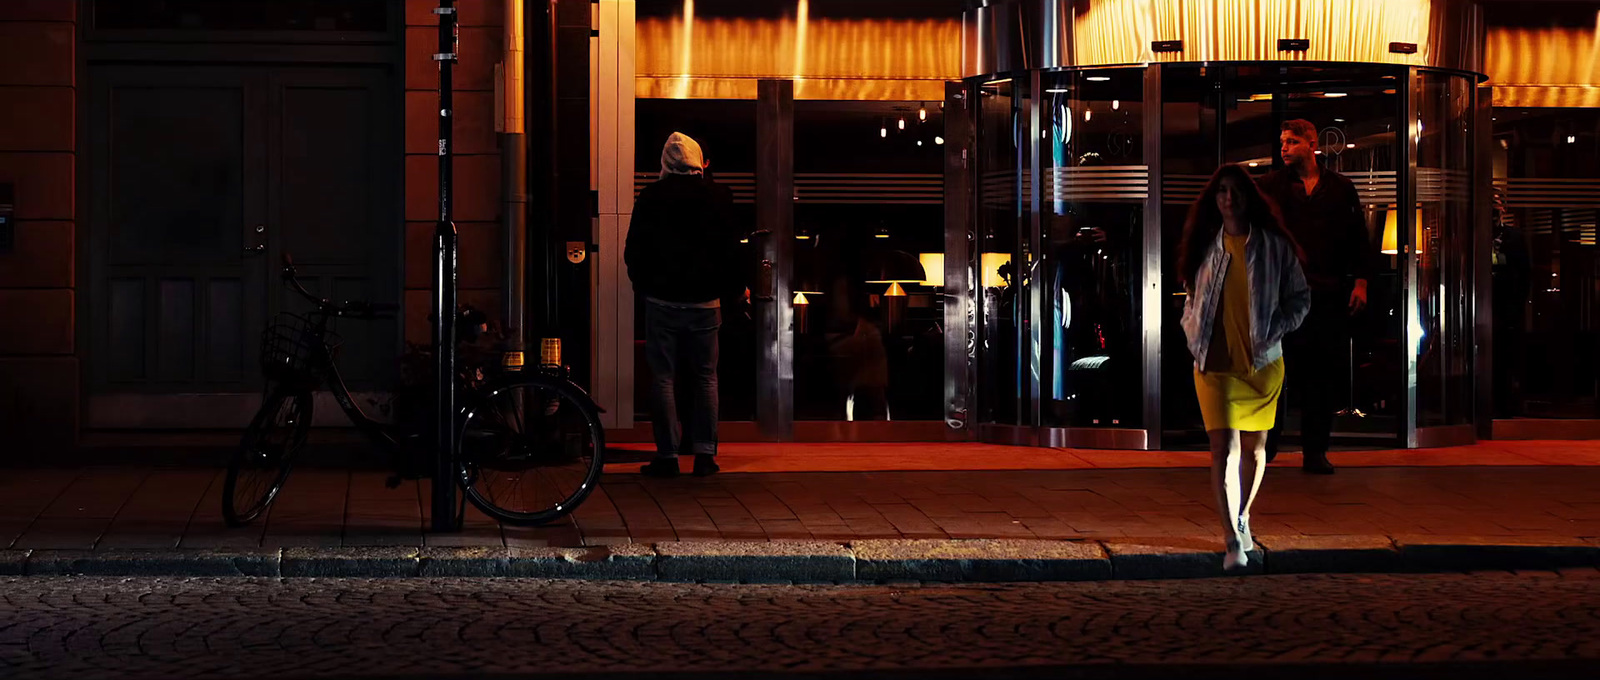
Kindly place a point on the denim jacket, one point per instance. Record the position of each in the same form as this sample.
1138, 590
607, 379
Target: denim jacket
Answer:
1279, 297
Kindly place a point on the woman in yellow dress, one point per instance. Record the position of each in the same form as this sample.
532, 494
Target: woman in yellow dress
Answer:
1246, 290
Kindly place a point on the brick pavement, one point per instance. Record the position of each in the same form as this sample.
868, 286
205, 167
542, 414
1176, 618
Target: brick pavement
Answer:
1527, 625
844, 493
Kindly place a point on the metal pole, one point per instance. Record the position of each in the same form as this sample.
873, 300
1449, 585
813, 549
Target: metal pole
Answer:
444, 288
513, 176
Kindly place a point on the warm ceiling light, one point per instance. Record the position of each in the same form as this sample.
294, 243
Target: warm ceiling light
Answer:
922, 113
1058, 90
1254, 164
1349, 146
938, 140
1116, 104
1088, 115
883, 132
902, 123
1335, 95
1572, 139
1098, 79
919, 142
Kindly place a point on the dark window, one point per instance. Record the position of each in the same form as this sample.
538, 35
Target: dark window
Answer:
367, 16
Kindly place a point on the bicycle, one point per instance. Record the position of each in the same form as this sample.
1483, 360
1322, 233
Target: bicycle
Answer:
530, 447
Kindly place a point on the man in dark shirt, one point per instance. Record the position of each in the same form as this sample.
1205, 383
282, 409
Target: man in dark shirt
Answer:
682, 255
1323, 211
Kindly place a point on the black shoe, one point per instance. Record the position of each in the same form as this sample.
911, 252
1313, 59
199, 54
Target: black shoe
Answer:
663, 468
1316, 465
705, 466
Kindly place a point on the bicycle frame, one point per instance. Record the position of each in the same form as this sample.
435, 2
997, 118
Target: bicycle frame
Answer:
374, 430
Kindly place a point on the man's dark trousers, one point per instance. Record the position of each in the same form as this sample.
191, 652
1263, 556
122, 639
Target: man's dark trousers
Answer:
674, 336
1316, 365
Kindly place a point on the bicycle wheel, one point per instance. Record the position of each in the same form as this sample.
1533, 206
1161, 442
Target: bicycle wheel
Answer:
530, 451
257, 470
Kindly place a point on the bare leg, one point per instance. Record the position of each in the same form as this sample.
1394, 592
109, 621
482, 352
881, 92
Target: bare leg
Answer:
1225, 482
1252, 467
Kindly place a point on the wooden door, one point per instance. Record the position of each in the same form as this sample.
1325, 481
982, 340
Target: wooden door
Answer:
201, 177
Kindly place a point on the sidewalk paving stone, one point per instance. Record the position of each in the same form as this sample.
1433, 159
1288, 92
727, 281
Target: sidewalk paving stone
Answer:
1150, 510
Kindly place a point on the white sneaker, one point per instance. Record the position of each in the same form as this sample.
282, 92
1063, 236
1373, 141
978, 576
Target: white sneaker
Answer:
1235, 558
1246, 542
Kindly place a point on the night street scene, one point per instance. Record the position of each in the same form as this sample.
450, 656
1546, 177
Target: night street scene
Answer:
799, 339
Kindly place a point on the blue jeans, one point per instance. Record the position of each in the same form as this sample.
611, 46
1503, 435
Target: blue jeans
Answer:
687, 334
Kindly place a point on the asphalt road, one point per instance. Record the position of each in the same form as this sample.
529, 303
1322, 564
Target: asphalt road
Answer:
1406, 626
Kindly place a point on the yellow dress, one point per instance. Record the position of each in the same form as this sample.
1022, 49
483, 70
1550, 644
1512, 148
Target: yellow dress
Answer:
1232, 395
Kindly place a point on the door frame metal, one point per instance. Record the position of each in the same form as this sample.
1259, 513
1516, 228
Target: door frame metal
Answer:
775, 238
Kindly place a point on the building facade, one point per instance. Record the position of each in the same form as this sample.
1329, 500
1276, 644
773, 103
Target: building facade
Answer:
910, 279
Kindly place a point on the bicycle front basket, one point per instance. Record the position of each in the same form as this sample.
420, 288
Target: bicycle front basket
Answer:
289, 349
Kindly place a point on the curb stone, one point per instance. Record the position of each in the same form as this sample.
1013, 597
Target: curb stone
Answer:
1329, 554
349, 562
980, 560
1174, 558
14, 562
463, 562
752, 562
1466, 553
865, 561
153, 563
624, 562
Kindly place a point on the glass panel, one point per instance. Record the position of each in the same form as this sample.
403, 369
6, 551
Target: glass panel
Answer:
242, 15
869, 224
1094, 188
1546, 263
1191, 143
726, 131
999, 170
1444, 250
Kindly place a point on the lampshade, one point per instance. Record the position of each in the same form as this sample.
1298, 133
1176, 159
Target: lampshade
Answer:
933, 266
992, 262
1391, 231
893, 266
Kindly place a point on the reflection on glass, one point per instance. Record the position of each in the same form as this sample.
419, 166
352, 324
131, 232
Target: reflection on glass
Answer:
1445, 250
1001, 211
869, 341
1546, 263
1095, 184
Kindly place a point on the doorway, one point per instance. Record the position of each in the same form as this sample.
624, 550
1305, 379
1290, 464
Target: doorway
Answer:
201, 178
842, 337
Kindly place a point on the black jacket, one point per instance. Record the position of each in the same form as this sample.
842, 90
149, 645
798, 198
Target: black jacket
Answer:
683, 245
1329, 225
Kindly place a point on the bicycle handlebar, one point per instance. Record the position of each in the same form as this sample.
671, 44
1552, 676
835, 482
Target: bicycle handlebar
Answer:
350, 308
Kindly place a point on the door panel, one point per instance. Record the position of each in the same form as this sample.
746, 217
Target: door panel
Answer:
201, 178
176, 181
331, 189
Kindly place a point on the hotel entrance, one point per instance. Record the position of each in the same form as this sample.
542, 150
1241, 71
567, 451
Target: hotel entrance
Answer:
1084, 175
830, 130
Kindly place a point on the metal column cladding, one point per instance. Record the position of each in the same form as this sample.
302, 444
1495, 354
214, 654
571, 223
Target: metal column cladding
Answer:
1000, 36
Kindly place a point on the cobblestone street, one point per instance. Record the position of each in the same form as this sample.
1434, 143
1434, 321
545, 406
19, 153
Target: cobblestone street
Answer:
1544, 624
